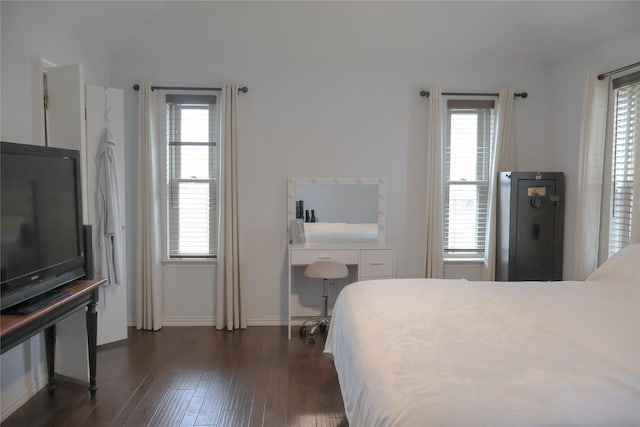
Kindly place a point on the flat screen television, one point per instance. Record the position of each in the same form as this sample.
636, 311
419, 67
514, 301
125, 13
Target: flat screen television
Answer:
41, 221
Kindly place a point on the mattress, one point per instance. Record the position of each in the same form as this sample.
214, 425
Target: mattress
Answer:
416, 352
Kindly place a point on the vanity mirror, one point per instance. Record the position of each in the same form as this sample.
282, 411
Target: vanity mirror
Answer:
344, 208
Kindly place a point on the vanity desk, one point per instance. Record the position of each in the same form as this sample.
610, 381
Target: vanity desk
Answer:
351, 207
371, 260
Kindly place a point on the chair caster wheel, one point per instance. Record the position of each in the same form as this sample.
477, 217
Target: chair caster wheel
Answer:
312, 340
302, 331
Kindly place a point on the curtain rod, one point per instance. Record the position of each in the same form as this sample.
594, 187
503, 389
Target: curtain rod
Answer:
242, 89
617, 70
425, 94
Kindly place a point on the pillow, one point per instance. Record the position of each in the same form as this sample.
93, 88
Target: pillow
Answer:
621, 267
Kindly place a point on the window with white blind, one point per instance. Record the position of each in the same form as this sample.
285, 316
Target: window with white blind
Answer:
467, 153
624, 155
192, 135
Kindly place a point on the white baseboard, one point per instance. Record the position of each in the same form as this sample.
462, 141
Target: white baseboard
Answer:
267, 322
297, 322
29, 392
207, 321
189, 321
204, 321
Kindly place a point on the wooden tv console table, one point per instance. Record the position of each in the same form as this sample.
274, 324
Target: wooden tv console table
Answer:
15, 329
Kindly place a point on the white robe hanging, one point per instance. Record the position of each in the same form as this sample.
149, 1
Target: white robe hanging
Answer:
108, 210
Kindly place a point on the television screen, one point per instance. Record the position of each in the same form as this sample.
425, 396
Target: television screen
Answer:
41, 241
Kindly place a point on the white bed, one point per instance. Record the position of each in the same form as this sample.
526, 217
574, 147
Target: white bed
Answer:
418, 352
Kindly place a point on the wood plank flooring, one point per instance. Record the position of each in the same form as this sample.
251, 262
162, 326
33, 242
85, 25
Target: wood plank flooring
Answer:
198, 376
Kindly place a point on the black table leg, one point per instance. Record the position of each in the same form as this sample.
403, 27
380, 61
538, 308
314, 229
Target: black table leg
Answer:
50, 350
92, 340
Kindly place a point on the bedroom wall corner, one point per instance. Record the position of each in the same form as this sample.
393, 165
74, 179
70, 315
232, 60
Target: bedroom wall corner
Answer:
28, 34
566, 85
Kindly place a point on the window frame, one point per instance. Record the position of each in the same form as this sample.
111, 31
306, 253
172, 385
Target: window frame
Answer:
607, 181
463, 103
165, 179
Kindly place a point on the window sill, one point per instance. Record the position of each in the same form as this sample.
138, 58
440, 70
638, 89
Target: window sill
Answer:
198, 262
464, 260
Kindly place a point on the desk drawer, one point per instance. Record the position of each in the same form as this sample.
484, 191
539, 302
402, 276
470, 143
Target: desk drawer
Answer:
306, 257
376, 263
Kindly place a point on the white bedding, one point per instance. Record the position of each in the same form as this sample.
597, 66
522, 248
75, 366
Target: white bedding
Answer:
419, 352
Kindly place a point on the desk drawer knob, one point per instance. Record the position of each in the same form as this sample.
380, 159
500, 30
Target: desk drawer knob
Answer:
376, 263
324, 257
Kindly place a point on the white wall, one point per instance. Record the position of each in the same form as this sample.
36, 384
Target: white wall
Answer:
26, 35
562, 147
323, 100
188, 294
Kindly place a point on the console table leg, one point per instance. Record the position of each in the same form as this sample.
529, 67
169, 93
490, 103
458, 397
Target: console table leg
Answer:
92, 339
50, 350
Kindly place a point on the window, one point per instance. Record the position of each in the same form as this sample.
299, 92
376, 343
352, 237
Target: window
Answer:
467, 153
192, 132
624, 154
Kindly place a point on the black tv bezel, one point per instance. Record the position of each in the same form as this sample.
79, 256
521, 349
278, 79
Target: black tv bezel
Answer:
21, 288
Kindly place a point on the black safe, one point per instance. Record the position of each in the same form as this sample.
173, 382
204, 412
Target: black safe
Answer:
530, 226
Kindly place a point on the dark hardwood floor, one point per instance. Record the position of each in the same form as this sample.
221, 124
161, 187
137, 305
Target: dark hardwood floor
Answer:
198, 376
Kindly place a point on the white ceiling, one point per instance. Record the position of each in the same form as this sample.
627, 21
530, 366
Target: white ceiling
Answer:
540, 31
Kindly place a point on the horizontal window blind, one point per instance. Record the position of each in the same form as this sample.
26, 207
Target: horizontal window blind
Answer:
626, 138
467, 154
193, 129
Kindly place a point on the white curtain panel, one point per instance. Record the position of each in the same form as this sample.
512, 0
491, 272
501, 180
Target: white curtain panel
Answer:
230, 312
592, 147
433, 194
503, 159
149, 278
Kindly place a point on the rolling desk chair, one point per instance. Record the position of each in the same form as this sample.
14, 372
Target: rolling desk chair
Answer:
325, 269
